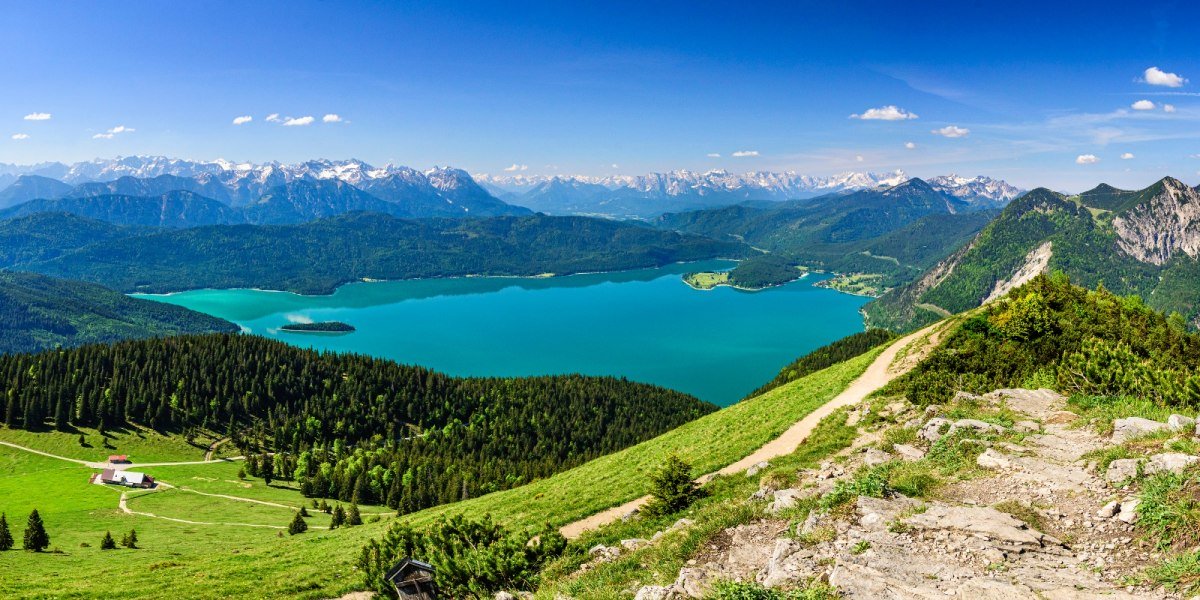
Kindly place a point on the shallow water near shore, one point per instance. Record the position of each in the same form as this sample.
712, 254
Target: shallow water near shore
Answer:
646, 325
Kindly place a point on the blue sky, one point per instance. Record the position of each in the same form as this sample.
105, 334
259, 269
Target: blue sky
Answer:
599, 88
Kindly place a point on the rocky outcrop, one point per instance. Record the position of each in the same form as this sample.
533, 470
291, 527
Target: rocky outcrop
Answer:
1037, 521
1163, 226
1134, 427
1035, 263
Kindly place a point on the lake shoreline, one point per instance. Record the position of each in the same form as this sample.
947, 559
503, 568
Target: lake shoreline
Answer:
641, 325
539, 276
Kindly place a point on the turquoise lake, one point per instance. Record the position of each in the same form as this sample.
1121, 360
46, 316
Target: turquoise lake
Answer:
646, 325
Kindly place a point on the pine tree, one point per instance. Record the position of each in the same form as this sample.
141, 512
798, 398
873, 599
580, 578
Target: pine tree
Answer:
298, 525
36, 538
353, 517
6, 539
130, 539
303, 511
339, 517
108, 543
324, 507
672, 488
267, 468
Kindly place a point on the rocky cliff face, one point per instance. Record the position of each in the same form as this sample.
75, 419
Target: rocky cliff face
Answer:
1164, 226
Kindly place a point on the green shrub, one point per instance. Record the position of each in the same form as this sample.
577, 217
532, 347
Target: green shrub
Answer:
671, 488
471, 559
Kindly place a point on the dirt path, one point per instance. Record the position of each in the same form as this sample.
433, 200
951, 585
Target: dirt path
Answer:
213, 447
124, 506
48, 455
124, 467
878, 374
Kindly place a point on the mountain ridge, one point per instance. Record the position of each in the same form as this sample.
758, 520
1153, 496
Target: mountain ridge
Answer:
1144, 242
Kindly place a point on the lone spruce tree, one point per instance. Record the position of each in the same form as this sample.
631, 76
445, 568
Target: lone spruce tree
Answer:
298, 525
108, 543
36, 538
353, 517
6, 539
339, 517
671, 488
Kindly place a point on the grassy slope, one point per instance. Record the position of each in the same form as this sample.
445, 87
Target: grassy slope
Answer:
140, 444
225, 561
709, 442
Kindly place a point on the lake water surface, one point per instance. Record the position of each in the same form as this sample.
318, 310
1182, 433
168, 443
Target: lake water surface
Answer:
645, 325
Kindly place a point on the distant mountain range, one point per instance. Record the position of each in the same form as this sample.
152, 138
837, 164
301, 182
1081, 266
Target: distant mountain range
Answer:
174, 193
892, 233
1144, 242
448, 192
657, 193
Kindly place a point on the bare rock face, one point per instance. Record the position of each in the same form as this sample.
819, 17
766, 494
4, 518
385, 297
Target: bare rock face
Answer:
1166, 225
756, 468
908, 453
1170, 462
990, 459
651, 592
874, 456
1134, 427
1181, 423
1001, 530
1122, 470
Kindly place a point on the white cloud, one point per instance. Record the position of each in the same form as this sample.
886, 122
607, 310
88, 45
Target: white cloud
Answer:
858, 158
20, 136
909, 145
1142, 105
890, 112
108, 135
951, 131
516, 167
37, 117
298, 121
616, 166
1169, 108
242, 120
332, 118
1156, 76
273, 118
1086, 159
1127, 156
745, 153
713, 155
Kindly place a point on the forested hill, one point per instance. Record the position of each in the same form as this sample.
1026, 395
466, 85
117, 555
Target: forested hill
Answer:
895, 232
1144, 242
347, 426
316, 257
38, 312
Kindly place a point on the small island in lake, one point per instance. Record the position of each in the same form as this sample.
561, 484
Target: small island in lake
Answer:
755, 273
320, 327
